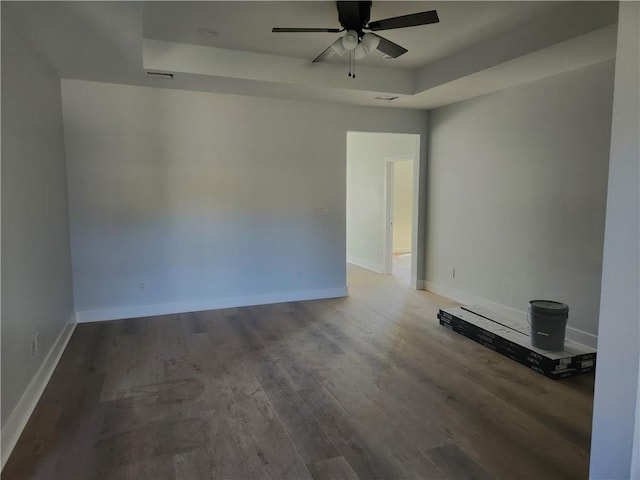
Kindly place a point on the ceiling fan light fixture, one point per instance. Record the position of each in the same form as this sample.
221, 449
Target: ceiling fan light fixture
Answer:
350, 40
360, 52
338, 47
370, 42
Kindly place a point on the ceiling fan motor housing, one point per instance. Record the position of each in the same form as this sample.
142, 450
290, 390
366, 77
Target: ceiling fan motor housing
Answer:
354, 15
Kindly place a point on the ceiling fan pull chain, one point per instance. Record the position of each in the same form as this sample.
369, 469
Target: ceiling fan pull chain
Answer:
352, 64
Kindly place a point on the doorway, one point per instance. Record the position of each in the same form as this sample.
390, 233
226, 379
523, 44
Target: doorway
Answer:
382, 203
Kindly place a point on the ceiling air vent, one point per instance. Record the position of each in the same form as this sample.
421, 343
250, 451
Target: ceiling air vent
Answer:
160, 75
387, 99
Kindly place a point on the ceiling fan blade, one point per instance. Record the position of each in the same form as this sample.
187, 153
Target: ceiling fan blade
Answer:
302, 30
328, 53
413, 20
389, 48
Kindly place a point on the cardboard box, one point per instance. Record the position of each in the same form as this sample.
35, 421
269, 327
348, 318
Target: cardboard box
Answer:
510, 337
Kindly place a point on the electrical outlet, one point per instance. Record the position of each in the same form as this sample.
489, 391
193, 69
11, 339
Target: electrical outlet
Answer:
322, 211
142, 287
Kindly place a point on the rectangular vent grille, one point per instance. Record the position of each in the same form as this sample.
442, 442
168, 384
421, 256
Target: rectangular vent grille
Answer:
160, 75
387, 99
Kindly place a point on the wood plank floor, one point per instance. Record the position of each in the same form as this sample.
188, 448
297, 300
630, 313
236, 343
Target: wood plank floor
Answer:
368, 386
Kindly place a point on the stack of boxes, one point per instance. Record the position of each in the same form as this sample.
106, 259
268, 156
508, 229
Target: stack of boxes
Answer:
511, 338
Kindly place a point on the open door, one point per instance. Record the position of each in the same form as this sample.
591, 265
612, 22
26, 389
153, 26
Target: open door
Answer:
399, 202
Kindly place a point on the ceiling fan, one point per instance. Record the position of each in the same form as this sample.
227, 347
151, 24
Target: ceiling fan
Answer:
354, 18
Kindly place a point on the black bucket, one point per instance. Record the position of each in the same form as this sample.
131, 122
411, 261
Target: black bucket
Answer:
548, 320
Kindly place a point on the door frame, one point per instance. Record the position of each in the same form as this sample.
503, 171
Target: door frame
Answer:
418, 241
388, 215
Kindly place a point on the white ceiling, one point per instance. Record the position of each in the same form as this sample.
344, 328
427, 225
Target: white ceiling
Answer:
247, 26
477, 47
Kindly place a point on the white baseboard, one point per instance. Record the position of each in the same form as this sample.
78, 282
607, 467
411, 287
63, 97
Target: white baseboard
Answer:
464, 298
136, 311
469, 299
364, 263
20, 415
580, 336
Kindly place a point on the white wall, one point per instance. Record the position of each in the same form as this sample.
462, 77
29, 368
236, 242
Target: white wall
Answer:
367, 154
614, 454
209, 200
517, 190
36, 267
402, 205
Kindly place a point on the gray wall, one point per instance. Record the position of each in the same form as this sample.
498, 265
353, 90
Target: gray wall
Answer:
517, 190
36, 269
616, 405
203, 196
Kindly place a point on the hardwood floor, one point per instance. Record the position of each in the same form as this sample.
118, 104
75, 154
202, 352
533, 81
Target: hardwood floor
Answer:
368, 386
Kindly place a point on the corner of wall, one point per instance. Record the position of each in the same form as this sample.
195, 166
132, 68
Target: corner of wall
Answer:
20, 415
